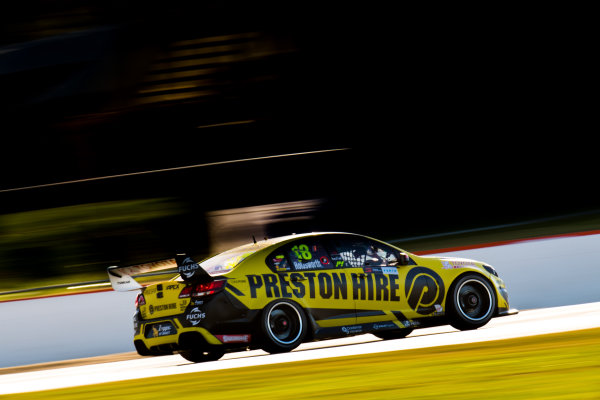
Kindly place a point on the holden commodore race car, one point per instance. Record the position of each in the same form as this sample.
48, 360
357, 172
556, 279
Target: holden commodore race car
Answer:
280, 292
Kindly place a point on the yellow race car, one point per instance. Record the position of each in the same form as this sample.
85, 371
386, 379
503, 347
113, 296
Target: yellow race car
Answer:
277, 293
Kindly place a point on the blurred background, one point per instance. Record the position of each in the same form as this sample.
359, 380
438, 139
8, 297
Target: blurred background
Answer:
438, 120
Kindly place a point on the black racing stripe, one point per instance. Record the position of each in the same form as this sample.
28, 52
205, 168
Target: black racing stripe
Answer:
369, 313
399, 316
330, 313
235, 290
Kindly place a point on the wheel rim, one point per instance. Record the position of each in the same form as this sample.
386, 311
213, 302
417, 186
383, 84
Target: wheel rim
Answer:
284, 323
474, 300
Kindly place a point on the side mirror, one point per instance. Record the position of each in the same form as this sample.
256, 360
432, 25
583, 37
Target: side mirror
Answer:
403, 259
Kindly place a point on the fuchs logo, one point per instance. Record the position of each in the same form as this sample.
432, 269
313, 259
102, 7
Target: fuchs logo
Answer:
188, 268
424, 290
195, 316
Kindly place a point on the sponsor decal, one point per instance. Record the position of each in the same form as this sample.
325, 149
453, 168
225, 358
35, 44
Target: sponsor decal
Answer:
350, 330
336, 257
410, 324
457, 264
423, 289
160, 329
245, 338
163, 330
188, 267
389, 270
182, 305
162, 307
381, 270
195, 316
326, 285
307, 265
384, 325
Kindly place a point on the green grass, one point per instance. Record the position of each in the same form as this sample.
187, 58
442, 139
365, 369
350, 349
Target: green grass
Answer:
557, 366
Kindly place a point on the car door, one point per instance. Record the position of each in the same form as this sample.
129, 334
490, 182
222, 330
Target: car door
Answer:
307, 274
377, 280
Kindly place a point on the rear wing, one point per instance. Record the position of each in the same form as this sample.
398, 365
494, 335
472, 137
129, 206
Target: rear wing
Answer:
121, 278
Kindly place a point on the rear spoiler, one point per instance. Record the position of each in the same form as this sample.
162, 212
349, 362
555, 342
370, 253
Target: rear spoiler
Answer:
121, 278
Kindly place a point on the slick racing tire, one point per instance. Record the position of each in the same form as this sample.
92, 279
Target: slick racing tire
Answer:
198, 355
394, 334
471, 302
283, 326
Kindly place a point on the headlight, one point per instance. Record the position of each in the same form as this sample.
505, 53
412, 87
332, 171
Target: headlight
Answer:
490, 269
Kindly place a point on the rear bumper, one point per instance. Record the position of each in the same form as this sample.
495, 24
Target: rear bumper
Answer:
164, 342
216, 321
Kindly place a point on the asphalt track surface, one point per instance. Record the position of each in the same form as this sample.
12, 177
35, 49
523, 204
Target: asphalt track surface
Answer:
526, 323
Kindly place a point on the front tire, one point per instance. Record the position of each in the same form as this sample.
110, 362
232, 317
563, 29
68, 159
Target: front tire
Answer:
471, 302
283, 325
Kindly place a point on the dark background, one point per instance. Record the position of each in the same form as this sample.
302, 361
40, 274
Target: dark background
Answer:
449, 118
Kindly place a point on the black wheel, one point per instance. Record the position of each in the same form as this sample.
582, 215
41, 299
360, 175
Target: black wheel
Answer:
141, 348
471, 302
198, 355
283, 325
393, 334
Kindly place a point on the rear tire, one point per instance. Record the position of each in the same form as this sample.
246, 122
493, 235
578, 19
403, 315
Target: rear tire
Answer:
393, 334
197, 355
141, 348
283, 325
471, 302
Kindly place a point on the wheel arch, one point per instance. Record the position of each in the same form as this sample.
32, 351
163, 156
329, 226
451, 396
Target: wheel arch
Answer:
308, 319
458, 278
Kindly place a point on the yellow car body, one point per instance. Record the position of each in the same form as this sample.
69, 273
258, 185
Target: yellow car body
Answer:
277, 293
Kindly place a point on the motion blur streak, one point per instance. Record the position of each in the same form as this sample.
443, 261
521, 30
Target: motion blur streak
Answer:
234, 227
169, 169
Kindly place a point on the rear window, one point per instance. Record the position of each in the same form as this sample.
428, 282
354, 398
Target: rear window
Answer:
224, 262
228, 260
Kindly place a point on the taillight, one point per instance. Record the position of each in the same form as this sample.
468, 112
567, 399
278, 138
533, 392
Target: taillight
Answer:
140, 300
186, 292
206, 289
203, 289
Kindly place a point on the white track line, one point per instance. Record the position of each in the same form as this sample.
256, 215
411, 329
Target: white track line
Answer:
526, 323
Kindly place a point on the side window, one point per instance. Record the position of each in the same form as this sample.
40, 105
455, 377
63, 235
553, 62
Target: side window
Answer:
308, 255
357, 252
278, 262
388, 255
301, 255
